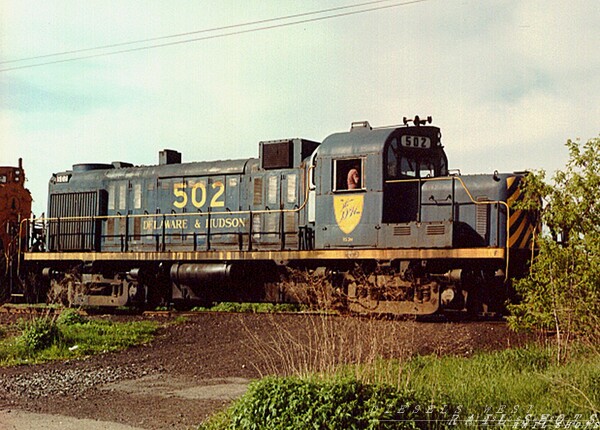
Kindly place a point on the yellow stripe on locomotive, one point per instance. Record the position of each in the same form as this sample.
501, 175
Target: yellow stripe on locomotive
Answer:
522, 222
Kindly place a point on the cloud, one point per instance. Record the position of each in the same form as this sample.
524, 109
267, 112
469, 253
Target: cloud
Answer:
508, 81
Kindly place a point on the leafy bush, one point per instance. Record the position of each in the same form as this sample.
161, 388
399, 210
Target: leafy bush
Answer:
341, 403
563, 291
69, 317
39, 334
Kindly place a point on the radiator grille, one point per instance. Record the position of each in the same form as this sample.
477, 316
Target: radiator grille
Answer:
436, 230
401, 230
68, 234
277, 155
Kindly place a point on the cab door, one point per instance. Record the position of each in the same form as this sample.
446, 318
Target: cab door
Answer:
401, 186
290, 203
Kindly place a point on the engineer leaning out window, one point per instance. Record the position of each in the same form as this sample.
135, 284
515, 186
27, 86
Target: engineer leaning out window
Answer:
354, 177
348, 174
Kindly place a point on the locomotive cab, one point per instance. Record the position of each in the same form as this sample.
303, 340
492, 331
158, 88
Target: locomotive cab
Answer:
362, 199
410, 155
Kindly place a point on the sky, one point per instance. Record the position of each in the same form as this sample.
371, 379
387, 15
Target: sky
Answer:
507, 81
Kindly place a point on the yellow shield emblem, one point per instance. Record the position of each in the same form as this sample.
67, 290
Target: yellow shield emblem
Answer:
348, 211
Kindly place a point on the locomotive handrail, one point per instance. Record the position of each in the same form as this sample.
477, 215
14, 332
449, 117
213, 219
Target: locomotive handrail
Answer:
161, 237
209, 214
159, 215
476, 202
22, 223
281, 211
176, 214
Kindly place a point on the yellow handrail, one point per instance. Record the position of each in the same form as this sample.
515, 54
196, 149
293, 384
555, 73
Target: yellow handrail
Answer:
476, 202
293, 210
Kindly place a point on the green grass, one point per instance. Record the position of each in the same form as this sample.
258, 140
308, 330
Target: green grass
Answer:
525, 377
251, 307
66, 337
524, 384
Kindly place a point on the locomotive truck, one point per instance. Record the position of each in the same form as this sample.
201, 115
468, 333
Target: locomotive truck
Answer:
373, 213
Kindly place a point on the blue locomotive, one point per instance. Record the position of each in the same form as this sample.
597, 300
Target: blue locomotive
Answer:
373, 213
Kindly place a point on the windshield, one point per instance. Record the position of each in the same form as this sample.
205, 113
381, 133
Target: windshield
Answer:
403, 163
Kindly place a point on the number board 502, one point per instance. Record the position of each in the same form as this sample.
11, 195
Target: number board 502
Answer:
416, 141
198, 194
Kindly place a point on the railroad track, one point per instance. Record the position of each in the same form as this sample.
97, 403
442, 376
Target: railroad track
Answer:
14, 311
28, 310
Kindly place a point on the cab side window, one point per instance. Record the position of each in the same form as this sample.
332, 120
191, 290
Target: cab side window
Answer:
349, 174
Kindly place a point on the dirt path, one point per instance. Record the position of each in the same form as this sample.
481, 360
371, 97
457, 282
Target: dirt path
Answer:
197, 367
22, 420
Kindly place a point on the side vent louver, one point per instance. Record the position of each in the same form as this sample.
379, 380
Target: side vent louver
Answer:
258, 192
436, 230
401, 230
482, 219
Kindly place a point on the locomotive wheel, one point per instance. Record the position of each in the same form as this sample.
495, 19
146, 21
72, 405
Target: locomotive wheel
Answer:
475, 304
64, 290
388, 293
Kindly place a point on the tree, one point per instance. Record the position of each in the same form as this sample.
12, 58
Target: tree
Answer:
562, 292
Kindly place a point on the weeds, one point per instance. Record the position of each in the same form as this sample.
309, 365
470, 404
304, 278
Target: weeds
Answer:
70, 336
251, 307
70, 317
329, 342
39, 334
518, 387
337, 355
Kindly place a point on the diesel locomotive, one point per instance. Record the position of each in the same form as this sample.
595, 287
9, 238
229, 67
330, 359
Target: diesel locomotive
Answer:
372, 213
15, 206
